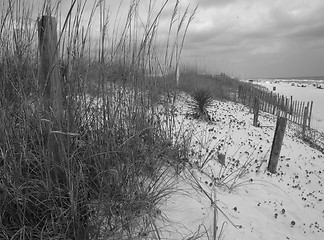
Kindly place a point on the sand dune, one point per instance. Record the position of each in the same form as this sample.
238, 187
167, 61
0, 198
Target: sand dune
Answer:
255, 203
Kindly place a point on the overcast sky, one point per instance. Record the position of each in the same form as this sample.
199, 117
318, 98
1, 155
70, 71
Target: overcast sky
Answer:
249, 38
259, 38
254, 38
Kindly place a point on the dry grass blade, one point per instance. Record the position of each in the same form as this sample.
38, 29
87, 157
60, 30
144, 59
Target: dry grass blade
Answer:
198, 185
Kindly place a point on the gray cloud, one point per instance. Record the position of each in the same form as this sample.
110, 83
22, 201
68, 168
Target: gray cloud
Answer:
249, 37
213, 3
260, 37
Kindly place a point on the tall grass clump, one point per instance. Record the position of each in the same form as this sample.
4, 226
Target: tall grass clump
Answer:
109, 167
199, 103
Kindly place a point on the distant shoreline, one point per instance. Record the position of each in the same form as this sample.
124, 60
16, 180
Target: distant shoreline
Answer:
300, 80
314, 78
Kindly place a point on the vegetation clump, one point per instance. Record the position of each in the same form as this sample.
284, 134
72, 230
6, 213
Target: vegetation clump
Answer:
102, 169
199, 103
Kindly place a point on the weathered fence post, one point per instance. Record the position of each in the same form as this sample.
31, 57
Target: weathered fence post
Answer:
256, 106
50, 85
296, 111
302, 110
310, 114
287, 109
282, 103
305, 120
251, 99
276, 144
49, 76
240, 92
274, 103
271, 103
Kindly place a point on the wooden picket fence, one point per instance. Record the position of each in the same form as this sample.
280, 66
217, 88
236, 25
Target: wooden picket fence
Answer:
260, 99
276, 104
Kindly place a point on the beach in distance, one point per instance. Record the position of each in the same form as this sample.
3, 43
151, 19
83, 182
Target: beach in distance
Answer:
301, 90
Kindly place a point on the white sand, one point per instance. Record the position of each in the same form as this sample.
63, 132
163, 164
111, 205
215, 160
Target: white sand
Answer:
287, 205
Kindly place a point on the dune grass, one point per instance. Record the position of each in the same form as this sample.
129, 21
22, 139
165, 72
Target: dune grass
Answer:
115, 149
119, 146
221, 87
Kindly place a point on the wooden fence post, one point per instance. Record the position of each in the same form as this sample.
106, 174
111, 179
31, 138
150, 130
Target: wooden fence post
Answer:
49, 76
256, 106
305, 120
282, 103
310, 114
243, 95
50, 85
302, 110
295, 111
276, 144
240, 93
271, 103
298, 112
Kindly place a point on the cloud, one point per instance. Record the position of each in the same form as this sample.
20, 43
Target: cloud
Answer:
250, 37
212, 3
253, 32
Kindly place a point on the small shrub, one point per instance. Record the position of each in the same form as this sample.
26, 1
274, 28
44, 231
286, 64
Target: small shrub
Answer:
201, 100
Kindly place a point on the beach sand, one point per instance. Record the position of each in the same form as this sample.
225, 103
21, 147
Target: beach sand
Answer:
252, 203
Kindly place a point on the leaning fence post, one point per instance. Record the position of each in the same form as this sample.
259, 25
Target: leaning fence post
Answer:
276, 144
50, 85
256, 111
